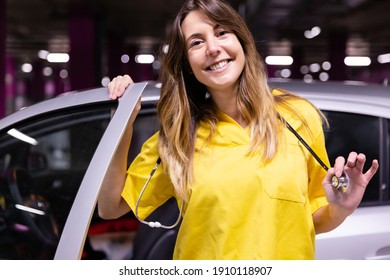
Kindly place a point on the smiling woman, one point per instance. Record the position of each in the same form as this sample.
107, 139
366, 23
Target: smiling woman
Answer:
223, 143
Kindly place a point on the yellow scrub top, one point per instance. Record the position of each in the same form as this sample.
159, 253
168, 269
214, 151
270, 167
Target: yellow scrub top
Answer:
241, 207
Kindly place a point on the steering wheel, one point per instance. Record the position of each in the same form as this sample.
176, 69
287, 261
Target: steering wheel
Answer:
32, 210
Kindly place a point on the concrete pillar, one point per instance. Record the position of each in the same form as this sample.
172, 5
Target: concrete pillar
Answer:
297, 54
115, 49
83, 66
337, 47
2, 57
37, 86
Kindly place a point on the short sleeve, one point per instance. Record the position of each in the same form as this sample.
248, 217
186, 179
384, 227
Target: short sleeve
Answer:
159, 188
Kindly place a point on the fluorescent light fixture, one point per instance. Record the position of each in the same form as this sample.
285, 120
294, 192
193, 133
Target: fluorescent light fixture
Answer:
58, 57
357, 61
279, 60
29, 209
21, 136
384, 58
144, 58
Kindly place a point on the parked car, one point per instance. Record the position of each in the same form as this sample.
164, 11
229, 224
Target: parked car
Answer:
55, 154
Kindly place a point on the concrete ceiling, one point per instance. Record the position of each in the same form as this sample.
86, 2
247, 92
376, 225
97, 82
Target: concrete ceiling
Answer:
277, 25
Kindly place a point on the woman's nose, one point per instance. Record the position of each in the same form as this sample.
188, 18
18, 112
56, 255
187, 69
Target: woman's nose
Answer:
213, 48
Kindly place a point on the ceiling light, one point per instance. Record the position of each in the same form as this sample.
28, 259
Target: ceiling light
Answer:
58, 57
105, 81
47, 71
64, 73
324, 76
27, 67
42, 54
165, 48
144, 58
285, 73
314, 32
384, 58
314, 67
357, 61
304, 69
326, 65
308, 78
279, 60
125, 58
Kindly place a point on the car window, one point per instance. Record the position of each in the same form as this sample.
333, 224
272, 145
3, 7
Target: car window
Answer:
113, 239
354, 132
42, 163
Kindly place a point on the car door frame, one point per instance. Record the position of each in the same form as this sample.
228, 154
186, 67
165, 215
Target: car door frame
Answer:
73, 237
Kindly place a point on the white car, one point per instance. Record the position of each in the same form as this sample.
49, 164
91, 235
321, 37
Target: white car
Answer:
359, 116
55, 154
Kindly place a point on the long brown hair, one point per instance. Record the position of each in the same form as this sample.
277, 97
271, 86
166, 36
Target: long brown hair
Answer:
182, 104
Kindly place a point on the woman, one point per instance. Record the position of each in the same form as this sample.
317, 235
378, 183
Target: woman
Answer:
250, 189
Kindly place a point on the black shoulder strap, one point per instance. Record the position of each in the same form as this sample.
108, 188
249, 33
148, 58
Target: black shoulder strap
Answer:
304, 144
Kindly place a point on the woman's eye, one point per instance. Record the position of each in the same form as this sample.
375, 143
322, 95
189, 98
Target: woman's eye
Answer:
195, 43
222, 32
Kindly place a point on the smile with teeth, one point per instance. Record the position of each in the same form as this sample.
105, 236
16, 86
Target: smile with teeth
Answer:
218, 65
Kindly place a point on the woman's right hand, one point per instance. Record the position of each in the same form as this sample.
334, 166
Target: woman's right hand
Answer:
118, 85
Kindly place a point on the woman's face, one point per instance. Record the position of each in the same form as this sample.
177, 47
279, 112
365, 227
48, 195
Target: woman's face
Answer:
215, 54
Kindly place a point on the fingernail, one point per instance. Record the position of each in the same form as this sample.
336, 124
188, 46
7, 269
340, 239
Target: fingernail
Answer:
339, 173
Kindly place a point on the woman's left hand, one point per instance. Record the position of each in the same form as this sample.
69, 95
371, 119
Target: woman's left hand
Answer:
347, 200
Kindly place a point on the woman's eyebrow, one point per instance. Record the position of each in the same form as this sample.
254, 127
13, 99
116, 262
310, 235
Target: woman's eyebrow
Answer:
197, 35
192, 36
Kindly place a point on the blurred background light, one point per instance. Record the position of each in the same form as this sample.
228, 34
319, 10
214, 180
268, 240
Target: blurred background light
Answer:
314, 67
326, 65
279, 60
64, 73
47, 71
26, 67
314, 32
105, 81
285, 73
144, 58
125, 58
384, 58
323, 76
357, 61
58, 57
42, 54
